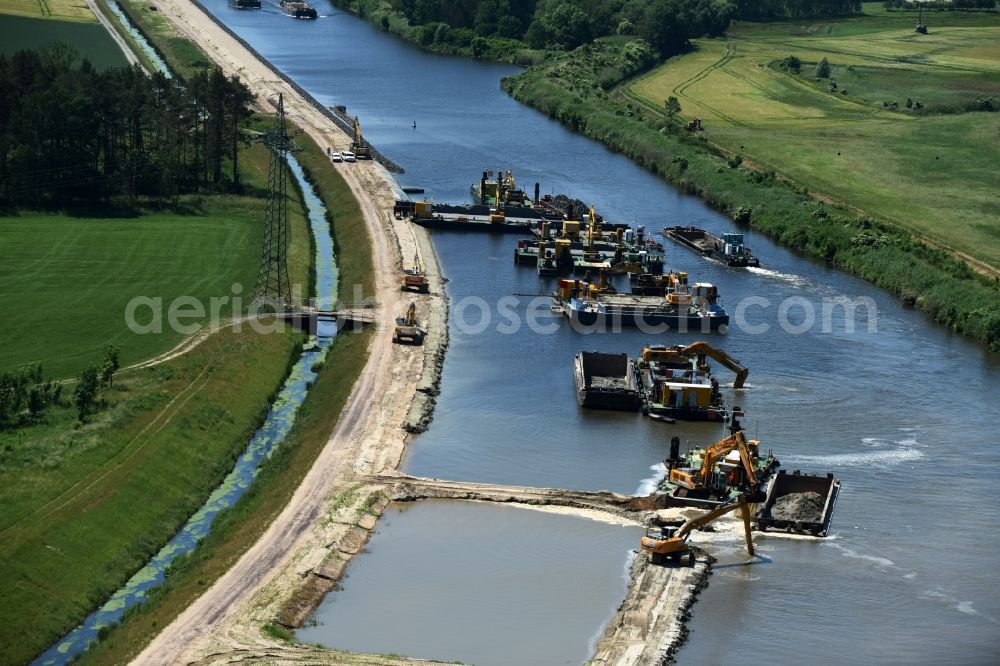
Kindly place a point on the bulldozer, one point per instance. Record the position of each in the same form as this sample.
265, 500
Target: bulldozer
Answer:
670, 542
359, 146
407, 331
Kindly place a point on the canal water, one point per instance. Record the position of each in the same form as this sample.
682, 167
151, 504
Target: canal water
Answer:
527, 583
277, 424
902, 414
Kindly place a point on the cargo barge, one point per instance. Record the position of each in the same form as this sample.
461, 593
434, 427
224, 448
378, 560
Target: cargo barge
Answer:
798, 502
729, 249
298, 9
470, 217
244, 4
606, 381
585, 305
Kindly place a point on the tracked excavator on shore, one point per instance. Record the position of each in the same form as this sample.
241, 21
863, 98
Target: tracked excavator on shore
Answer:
407, 330
671, 543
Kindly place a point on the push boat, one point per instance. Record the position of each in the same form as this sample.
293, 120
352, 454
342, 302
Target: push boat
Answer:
729, 249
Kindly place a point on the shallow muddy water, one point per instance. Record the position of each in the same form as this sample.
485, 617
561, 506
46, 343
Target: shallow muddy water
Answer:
481, 583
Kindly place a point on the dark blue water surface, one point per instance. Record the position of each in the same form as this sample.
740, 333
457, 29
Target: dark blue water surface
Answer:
903, 415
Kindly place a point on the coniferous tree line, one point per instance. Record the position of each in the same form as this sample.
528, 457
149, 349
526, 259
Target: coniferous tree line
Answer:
70, 133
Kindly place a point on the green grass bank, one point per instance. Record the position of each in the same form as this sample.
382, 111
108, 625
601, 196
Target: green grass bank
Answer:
85, 507
579, 90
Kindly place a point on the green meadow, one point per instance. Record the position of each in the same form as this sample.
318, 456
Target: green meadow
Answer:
930, 170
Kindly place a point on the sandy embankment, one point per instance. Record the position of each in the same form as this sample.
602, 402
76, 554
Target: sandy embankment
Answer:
330, 517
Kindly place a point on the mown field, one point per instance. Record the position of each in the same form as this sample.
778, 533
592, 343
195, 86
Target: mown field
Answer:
61, 10
67, 279
930, 170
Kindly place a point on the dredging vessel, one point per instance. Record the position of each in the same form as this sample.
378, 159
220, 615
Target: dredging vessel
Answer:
729, 249
606, 381
718, 473
677, 382
613, 249
585, 304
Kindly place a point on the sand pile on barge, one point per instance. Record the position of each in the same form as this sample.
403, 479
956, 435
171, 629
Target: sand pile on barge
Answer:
799, 507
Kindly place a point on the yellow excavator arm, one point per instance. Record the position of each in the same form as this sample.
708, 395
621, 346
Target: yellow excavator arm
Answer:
702, 348
675, 545
735, 442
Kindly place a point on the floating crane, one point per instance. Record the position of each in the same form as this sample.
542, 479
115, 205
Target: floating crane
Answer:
703, 478
359, 146
668, 542
700, 350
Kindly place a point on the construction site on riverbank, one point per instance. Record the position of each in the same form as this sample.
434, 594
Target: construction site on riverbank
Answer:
329, 517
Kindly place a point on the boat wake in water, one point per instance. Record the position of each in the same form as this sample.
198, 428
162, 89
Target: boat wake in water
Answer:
885, 457
794, 280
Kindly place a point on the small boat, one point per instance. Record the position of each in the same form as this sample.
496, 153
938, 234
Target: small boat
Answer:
244, 4
413, 190
298, 9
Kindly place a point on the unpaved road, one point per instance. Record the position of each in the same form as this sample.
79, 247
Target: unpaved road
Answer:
330, 516
368, 431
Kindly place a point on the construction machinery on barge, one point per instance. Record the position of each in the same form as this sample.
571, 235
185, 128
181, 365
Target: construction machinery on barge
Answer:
587, 305
677, 383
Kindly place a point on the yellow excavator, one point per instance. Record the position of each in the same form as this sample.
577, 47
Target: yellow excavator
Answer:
414, 279
702, 478
407, 331
359, 146
700, 350
670, 543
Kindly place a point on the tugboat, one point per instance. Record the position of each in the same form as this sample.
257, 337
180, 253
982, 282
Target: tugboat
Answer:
299, 10
729, 249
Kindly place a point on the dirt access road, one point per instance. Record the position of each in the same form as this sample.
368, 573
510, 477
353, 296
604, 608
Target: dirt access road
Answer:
368, 437
331, 515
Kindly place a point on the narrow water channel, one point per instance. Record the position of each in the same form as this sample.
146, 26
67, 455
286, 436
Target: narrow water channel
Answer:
440, 580
154, 56
903, 414
277, 424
